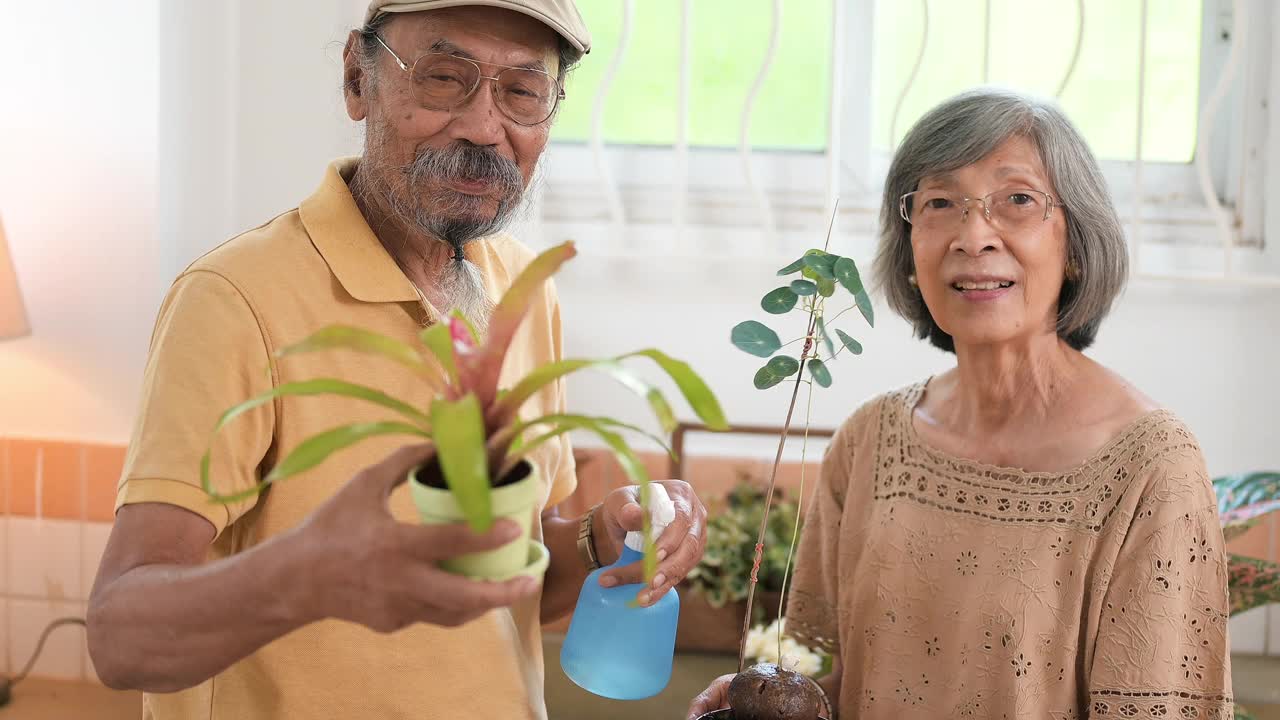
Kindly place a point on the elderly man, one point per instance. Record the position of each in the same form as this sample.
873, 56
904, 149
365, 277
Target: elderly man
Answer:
322, 598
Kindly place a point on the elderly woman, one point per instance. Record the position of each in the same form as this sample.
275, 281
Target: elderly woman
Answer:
1025, 534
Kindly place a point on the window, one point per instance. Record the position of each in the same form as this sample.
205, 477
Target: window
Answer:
849, 77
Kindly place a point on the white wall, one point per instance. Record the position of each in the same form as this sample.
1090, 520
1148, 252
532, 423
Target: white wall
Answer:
78, 198
117, 171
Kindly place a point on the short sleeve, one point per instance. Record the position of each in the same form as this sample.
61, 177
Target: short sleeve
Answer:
813, 600
207, 354
1161, 649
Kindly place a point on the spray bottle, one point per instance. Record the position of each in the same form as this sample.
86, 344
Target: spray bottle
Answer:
615, 648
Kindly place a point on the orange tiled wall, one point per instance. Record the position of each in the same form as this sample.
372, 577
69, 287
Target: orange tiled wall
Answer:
56, 506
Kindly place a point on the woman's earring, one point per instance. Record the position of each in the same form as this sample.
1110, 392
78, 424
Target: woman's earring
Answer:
1073, 270
912, 279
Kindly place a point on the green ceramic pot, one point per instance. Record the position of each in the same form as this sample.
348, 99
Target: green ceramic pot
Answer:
515, 499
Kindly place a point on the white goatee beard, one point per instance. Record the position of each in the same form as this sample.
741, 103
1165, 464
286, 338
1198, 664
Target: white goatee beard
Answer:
461, 283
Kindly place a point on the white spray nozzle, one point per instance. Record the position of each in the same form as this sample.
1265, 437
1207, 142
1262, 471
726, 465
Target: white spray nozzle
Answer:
662, 510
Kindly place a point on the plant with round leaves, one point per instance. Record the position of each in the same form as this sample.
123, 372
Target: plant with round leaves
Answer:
474, 425
822, 274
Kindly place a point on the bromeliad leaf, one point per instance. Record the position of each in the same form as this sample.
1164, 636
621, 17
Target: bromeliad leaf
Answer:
438, 340
506, 407
803, 288
308, 454
343, 337
325, 386
820, 373
695, 390
854, 346
460, 447
779, 301
507, 316
755, 338
564, 423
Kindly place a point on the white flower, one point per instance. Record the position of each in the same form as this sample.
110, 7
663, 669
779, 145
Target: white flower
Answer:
762, 645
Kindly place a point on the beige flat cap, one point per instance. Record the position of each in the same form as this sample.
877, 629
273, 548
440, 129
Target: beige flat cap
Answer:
559, 15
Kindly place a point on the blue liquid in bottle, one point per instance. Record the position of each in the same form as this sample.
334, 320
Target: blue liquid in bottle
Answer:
615, 648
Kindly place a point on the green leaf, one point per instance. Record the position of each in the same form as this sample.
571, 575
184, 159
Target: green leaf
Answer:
437, 339
820, 264
846, 272
820, 372
1237, 491
308, 454
766, 378
1235, 522
695, 390
460, 447
826, 339
792, 267
826, 287
783, 365
755, 338
864, 306
803, 287
482, 370
567, 422
317, 448
509, 404
335, 337
854, 346
779, 301
1251, 582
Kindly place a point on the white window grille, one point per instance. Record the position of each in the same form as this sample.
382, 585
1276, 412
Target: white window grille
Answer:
1201, 217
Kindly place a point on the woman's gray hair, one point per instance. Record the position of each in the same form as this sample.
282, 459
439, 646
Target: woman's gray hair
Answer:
962, 131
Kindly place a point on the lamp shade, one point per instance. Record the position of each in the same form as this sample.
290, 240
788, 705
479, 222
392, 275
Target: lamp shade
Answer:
13, 315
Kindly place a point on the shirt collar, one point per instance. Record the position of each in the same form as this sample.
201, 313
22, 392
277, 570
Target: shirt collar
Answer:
346, 242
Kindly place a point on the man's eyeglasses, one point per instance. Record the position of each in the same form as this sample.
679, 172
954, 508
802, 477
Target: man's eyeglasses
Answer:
1008, 209
443, 82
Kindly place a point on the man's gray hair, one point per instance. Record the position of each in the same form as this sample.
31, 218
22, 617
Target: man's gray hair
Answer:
962, 131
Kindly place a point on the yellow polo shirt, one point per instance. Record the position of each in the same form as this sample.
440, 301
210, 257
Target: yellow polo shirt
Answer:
223, 318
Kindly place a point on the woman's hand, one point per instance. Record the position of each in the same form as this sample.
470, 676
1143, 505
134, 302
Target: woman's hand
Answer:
715, 697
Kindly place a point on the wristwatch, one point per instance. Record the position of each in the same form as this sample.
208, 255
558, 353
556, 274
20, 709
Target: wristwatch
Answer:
586, 540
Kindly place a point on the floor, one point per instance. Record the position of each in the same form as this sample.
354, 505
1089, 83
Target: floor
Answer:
1257, 685
40, 699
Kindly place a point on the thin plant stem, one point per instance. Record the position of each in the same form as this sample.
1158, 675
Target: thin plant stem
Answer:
815, 311
795, 529
768, 501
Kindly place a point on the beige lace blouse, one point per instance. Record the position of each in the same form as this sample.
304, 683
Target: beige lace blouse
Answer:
952, 589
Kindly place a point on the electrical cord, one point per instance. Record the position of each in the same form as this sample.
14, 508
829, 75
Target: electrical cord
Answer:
8, 684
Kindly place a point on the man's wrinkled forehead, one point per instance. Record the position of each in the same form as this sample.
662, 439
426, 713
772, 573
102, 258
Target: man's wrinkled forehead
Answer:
482, 34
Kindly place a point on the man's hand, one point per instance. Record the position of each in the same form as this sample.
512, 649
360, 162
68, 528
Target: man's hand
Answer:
715, 697
365, 567
679, 547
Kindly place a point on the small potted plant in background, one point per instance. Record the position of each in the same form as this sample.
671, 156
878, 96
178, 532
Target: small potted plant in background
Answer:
1243, 501
765, 691
715, 592
480, 470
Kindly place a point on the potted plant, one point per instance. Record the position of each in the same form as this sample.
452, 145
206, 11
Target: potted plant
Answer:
1243, 500
764, 690
481, 443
